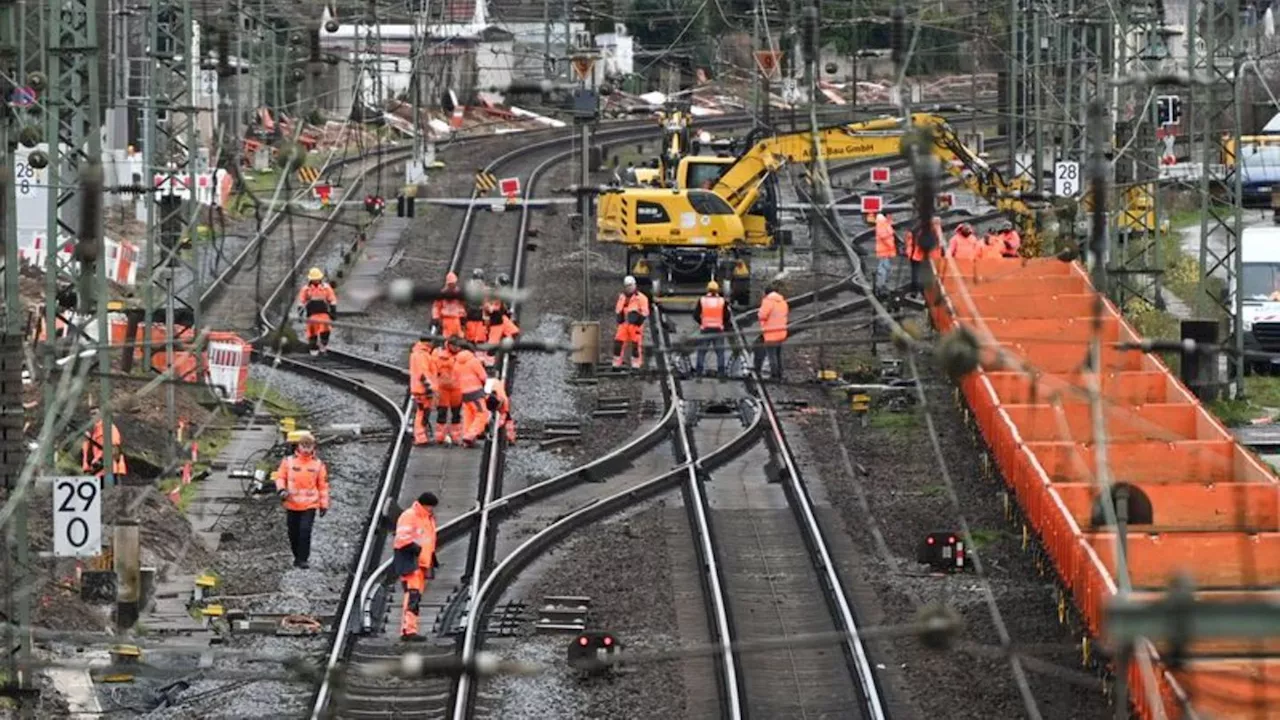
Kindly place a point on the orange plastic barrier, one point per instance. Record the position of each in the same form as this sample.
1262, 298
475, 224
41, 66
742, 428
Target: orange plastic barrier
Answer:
1214, 508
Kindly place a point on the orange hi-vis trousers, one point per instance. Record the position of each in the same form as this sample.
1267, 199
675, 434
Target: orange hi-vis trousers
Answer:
475, 416
422, 418
632, 335
414, 583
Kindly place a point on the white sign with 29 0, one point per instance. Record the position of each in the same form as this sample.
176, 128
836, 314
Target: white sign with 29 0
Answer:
77, 516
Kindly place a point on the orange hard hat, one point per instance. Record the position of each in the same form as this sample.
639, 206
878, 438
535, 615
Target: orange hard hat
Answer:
451, 279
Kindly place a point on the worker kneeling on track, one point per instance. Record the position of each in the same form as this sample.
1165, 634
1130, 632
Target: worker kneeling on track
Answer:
318, 302
632, 310
710, 313
421, 371
498, 401
414, 559
447, 391
501, 326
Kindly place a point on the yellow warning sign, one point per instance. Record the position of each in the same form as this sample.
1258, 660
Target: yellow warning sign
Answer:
583, 64
485, 182
308, 175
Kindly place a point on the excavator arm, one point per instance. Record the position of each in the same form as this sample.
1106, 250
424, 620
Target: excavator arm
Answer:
740, 184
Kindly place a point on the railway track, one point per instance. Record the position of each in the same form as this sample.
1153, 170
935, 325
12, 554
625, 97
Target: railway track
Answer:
478, 521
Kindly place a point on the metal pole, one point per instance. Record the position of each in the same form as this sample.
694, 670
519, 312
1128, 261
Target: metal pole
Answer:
1011, 109
1037, 69
585, 232
546, 39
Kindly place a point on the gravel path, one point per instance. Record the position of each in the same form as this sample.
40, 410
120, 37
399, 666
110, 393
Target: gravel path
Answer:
894, 468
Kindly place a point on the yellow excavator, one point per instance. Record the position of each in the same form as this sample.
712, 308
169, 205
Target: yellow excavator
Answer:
723, 208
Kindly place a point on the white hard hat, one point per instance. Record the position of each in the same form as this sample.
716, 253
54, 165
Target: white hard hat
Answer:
628, 281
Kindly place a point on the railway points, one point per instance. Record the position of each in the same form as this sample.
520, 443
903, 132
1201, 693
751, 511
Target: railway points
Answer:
741, 544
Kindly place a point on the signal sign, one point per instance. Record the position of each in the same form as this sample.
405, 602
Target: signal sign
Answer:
767, 61
946, 201
871, 204
509, 187
879, 175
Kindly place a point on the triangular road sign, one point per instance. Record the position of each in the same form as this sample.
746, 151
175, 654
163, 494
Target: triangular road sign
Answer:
767, 61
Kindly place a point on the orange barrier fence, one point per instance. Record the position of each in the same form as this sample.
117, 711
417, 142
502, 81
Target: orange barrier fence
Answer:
1200, 504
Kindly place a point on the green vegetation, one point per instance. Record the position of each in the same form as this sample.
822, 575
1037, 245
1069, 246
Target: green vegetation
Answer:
1261, 400
186, 493
886, 420
1263, 391
985, 537
275, 403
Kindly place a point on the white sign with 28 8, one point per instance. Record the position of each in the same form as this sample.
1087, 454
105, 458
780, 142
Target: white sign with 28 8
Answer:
77, 517
1066, 178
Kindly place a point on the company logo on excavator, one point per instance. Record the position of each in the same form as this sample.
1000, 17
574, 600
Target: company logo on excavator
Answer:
851, 150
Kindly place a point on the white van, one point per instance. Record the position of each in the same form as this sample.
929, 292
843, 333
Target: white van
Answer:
1260, 285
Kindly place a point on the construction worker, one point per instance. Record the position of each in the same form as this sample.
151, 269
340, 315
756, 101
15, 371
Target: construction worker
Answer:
448, 313
420, 374
498, 402
319, 303
886, 250
773, 330
710, 314
632, 310
501, 326
472, 377
1010, 240
476, 330
91, 453
447, 392
964, 245
302, 482
414, 559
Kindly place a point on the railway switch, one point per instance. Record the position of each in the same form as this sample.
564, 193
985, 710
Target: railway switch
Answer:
943, 551
593, 652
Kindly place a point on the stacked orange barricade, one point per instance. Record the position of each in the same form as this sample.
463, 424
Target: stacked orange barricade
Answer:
1214, 506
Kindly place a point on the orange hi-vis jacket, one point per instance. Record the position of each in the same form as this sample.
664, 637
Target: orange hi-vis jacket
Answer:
307, 480
637, 302
444, 366
317, 299
420, 368
417, 526
709, 312
93, 450
964, 248
471, 374
449, 314
1011, 241
886, 243
773, 317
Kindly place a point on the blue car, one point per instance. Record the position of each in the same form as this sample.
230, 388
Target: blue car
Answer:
1259, 176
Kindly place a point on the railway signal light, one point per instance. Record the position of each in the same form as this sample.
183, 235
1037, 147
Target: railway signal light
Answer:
592, 652
942, 551
1168, 110
374, 204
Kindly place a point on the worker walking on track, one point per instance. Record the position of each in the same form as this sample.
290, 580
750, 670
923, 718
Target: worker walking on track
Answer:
319, 303
886, 251
710, 314
632, 310
414, 559
773, 330
447, 392
472, 378
500, 403
448, 313
91, 454
420, 378
302, 481
964, 244
476, 330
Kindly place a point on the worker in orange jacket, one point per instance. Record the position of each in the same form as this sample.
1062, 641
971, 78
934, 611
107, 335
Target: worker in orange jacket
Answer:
886, 250
91, 453
500, 403
917, 255
475, 329
420, 374
448, 313
501, 326
711, 314
414, 559
302, 482
447, 392
1010, 240
319, 303
632, 309
773, 330
964, 244
471, 383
